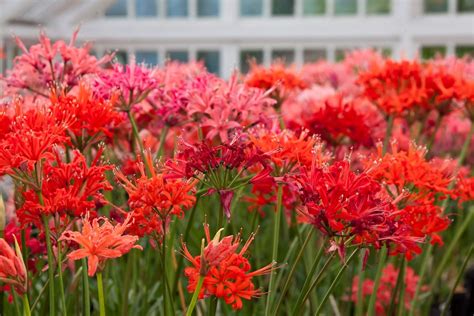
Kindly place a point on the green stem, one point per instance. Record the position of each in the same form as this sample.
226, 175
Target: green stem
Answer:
100, 289
138, 139
163, 264
388, 134
373, 297
335, 281
52, 300
61, 282
292, 271
26, 306
309, 284
212, 306
400, 280
276, 238
465, 146
454, 242
359, 308
401, 275
458, 279
126, 286
195, 297
85, 288
16, 303
164, 133
187, 230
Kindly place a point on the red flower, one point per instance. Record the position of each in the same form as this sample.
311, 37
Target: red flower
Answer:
67, 189
154, 199
32, 136
226, 271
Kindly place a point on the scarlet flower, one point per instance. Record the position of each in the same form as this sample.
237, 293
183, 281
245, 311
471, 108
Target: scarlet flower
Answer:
12, 267
92, 115
395, 86
100, 241
67, 189
386, 289
226, 271
31, 137
154, 199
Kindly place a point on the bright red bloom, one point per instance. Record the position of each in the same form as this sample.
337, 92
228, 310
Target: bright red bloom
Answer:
154, 199
226, 271
92, 115
395, 86
386, 289
33, 134
100, 241
67, 189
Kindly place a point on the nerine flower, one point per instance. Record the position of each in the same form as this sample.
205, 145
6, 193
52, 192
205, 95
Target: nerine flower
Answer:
153, 200
12, 267
100, 241
226, 271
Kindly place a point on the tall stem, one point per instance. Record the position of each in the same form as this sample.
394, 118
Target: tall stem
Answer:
195, 297
388, 134
26, 305
163, 264
52, 300
61, 282
164, 133
360, 299
136, 135
100, 289
276, 238
292, 271
335, 281
85, 288
401, 300
373, 297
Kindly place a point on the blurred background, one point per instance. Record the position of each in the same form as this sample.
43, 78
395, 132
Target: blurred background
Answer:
225, 33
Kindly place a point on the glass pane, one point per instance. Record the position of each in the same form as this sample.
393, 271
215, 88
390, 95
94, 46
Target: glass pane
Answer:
121, 56
118, 8
314, 7
465, 5
176, 8
378, 6
312, 55
283, 7
178, 55
208, 8
465, 50
345, 7
145, 7
251, 7
247, 55
286, 55
436, 6
340, 53
147, 57
211, 60
428, 52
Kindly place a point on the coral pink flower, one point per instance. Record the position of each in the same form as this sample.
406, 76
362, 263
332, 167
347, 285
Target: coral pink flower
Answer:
12, 267
100, 241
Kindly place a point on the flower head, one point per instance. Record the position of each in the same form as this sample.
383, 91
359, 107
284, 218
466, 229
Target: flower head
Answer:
226, 271
12, 267
100, 241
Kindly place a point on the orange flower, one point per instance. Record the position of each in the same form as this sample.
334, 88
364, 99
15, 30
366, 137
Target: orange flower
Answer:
288, 150
278, 77
154, 199
12, 267
226, 272
101, 242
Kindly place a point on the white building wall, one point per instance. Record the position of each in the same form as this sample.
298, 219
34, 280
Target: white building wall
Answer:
404, 30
